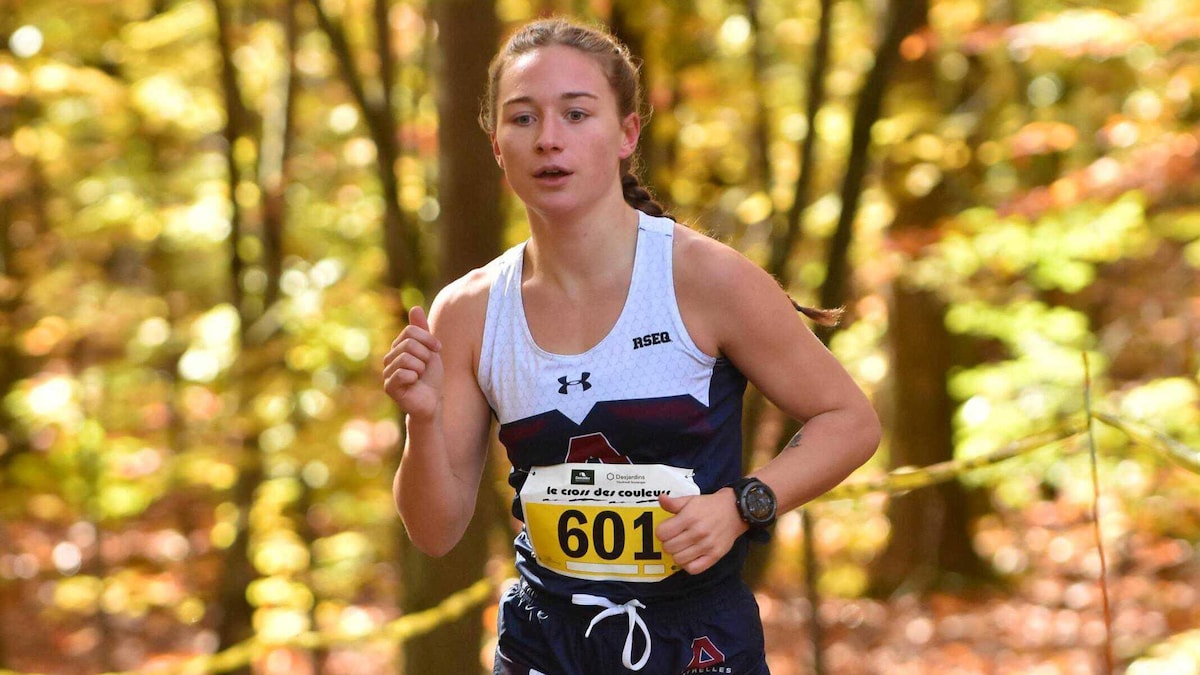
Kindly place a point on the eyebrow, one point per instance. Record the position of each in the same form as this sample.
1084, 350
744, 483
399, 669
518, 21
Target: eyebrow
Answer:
567, 96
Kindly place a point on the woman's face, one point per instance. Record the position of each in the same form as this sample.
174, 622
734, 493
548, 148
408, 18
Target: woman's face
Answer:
559, 137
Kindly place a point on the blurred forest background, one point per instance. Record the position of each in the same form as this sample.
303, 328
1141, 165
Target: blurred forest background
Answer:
213, 214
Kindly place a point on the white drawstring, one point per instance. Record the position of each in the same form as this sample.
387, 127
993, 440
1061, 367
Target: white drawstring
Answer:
612, 609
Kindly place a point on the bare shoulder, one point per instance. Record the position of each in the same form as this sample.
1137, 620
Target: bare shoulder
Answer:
458, 312
464, 296
717, 287
705, 261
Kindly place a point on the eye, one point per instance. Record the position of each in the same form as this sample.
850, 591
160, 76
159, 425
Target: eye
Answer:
522, 119
576, 115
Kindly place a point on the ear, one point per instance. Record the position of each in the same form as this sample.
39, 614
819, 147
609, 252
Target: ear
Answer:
631, 130
496, 152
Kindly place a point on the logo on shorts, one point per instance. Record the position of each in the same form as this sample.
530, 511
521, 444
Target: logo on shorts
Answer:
567, 383
583, 477
706, 658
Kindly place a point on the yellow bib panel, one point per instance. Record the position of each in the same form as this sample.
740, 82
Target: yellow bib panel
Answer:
597, 521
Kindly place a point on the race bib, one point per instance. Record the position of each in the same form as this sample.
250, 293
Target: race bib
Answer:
597, 521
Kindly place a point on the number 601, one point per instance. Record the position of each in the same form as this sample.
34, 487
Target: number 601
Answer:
608, 535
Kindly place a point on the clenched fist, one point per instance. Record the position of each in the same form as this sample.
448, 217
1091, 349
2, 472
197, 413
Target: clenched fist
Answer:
412, 368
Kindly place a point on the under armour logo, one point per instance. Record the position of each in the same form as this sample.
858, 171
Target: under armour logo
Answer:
582, 381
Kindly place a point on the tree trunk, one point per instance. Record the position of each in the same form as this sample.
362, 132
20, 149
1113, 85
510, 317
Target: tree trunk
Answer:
931, 543
236, 619
470, 235
781, 249
11, 363
401, 238
278, 134
19, 210
904, 17
785, 233
453, 647
468, 180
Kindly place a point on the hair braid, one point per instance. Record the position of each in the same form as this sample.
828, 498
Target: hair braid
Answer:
637, 196
819, 315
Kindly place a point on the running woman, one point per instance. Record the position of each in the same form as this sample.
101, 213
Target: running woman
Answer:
613, 347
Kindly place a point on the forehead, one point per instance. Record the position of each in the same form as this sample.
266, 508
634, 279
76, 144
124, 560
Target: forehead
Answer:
552, 70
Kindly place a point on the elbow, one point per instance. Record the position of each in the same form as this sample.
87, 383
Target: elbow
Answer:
872, 434
433, 549
432, 544
432, 532
433, 529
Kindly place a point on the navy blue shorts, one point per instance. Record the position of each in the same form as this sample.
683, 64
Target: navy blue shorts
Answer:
717, 632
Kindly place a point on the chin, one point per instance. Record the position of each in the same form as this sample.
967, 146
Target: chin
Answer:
554, 206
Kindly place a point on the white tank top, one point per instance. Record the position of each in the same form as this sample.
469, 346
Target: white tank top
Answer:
645, 394
647, 353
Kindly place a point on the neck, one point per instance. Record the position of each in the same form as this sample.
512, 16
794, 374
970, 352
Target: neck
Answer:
574, 252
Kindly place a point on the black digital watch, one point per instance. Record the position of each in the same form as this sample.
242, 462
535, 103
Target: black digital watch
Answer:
755, 502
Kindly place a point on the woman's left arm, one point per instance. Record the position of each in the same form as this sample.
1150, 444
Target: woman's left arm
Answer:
735, 308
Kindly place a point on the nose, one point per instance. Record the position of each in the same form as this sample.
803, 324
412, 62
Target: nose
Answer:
549, 137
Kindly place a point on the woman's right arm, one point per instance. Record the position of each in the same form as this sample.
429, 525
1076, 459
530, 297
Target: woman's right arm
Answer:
429, 372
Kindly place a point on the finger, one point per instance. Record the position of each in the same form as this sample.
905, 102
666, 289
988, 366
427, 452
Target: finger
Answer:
672, 504
698, 565
418, 335
400, 380
416, 317
412, 334
690, 537
668, 530
414, 348
409, 361
693, 559
418, 329
676, 535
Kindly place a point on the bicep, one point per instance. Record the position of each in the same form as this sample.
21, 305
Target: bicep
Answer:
466, 423
770, 343
466, 416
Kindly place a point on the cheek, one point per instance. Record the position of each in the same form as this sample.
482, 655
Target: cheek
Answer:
504, 154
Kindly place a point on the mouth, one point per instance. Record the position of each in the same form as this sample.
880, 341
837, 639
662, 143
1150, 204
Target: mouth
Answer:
552, 172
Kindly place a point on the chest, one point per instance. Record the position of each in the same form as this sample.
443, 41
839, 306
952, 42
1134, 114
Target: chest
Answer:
563, 324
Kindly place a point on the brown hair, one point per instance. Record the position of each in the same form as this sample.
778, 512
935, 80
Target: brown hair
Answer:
824, 317
620, 69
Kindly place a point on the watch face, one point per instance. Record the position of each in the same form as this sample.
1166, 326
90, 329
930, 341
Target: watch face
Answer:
759, 504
